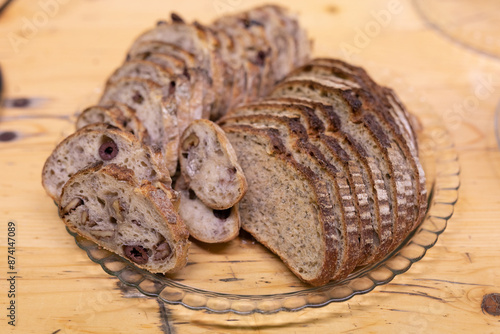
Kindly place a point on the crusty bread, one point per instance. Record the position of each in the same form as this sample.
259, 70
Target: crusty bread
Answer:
210, 166
204, 223
100, 143
368, 132
110, 206
333, 120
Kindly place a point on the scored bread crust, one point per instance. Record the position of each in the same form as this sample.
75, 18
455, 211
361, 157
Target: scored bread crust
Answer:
390, 112
319, 220
210, 166
81, 149
203, 223
365, 129
108, 205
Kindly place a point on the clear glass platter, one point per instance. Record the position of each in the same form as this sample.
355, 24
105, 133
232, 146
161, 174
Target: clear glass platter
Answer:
243, 277
472, 24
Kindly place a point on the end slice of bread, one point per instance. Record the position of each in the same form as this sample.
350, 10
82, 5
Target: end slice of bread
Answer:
210, 165
109, 206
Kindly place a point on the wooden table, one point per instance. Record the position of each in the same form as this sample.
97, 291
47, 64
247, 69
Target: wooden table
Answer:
59, 56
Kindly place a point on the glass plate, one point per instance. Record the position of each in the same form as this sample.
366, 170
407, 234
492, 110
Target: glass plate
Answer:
472, 24
243, 277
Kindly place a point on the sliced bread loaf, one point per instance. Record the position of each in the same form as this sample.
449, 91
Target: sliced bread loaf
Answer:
118, 115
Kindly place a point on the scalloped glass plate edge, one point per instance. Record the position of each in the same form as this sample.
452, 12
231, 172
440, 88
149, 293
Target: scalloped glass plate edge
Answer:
443, 194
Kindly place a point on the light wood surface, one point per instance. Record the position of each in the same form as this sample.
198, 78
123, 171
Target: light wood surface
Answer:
62, 60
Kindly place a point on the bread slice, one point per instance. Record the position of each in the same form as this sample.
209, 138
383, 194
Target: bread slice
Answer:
295, 138
110, 206
118, 115
155, 107
210, 166
100, 143
285, 207
203, 223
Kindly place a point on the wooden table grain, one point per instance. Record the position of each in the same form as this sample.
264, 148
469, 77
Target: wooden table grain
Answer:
58, 54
